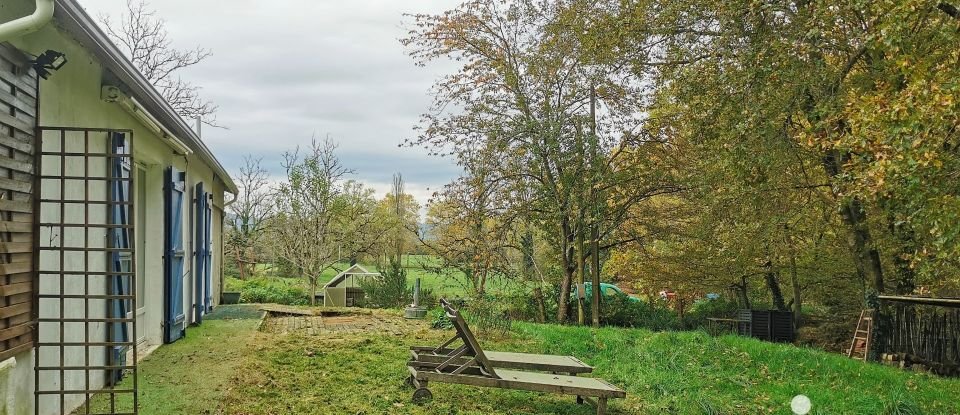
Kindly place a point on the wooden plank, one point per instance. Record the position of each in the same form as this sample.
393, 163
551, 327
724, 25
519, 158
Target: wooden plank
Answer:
21, 166
529, 381
15, 331
20, 298
16, 247
16, 185
16, 350
12, 289
16, 143
17, 58
289, 310
18, 278
507, 360
16, 123
15, 268
23, 83
16, 227
15, 310
944, 302
23, 103
12, 206
469, 340
21, 217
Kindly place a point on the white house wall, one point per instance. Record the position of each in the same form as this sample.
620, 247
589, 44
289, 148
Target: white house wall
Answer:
71, 98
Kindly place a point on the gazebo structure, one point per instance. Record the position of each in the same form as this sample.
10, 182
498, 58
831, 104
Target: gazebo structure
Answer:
344, 290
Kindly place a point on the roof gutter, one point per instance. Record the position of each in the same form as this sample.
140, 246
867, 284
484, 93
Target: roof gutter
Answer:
28, 24
136, 109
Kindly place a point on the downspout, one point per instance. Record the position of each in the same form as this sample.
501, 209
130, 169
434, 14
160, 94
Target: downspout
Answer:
223, 223
28, 24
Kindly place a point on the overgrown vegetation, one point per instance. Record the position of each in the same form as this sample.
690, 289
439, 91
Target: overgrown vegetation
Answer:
390, 291
666, 372
620, 310
696, 317
796, 151
268, 290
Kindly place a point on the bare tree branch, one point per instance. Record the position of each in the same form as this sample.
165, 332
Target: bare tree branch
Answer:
144, 38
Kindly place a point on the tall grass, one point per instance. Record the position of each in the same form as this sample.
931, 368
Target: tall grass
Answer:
693, 372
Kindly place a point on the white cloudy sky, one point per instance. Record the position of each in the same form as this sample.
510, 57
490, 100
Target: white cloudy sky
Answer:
285, 70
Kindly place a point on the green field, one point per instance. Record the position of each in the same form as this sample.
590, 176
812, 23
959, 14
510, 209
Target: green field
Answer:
228, 367
449, 283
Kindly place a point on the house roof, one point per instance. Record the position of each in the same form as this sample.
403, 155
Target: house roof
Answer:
75, 20
355, 269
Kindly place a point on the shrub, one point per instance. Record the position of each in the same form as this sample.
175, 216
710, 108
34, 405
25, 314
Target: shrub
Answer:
439, 320
696, 317
484, 315
272, 291
390, 290
428, 299
393, 290
487, 315
283, 268
620, 310
521, 305
232, 284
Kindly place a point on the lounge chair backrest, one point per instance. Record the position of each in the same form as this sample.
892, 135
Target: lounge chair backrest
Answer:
467, 336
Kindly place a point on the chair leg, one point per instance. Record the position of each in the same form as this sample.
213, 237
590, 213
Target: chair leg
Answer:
601, 406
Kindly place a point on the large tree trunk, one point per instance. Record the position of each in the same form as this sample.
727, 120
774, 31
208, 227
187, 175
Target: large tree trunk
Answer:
905, 246
581, 278
852, 211
773, 284
566, 261
595, 226
529, 272
595, 305
794, 281
239, 260
741, 291
482, 287
541, 304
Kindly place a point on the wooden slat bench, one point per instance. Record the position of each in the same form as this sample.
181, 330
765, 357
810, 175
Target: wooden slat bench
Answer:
508, 360
470, 365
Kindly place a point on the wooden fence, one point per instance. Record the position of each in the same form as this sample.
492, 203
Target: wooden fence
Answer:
921, 332
18, 123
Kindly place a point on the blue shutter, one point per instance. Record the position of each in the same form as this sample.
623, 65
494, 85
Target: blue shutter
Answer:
173, 256
208, 252
120, 256
200, 258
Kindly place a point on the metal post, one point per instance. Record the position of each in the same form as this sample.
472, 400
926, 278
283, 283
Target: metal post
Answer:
415, 310
416, 293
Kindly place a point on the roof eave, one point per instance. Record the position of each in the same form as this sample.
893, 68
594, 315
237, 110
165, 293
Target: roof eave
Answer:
75, 19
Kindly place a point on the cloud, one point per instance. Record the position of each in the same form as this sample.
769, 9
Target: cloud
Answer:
284, 71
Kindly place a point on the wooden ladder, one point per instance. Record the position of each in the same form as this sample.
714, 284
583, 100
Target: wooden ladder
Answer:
860, 346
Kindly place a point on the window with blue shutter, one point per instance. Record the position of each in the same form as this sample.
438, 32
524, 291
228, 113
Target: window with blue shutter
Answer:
208, 252
200, 258
203, 278
173, 258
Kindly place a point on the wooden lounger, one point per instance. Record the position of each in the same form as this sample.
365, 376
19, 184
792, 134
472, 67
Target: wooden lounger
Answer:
470, 365
506, 360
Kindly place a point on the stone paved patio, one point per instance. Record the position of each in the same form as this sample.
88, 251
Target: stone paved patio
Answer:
340, 324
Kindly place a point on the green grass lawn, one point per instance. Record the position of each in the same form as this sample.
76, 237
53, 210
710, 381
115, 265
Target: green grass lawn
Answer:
227, 367
192, 375
450, 284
